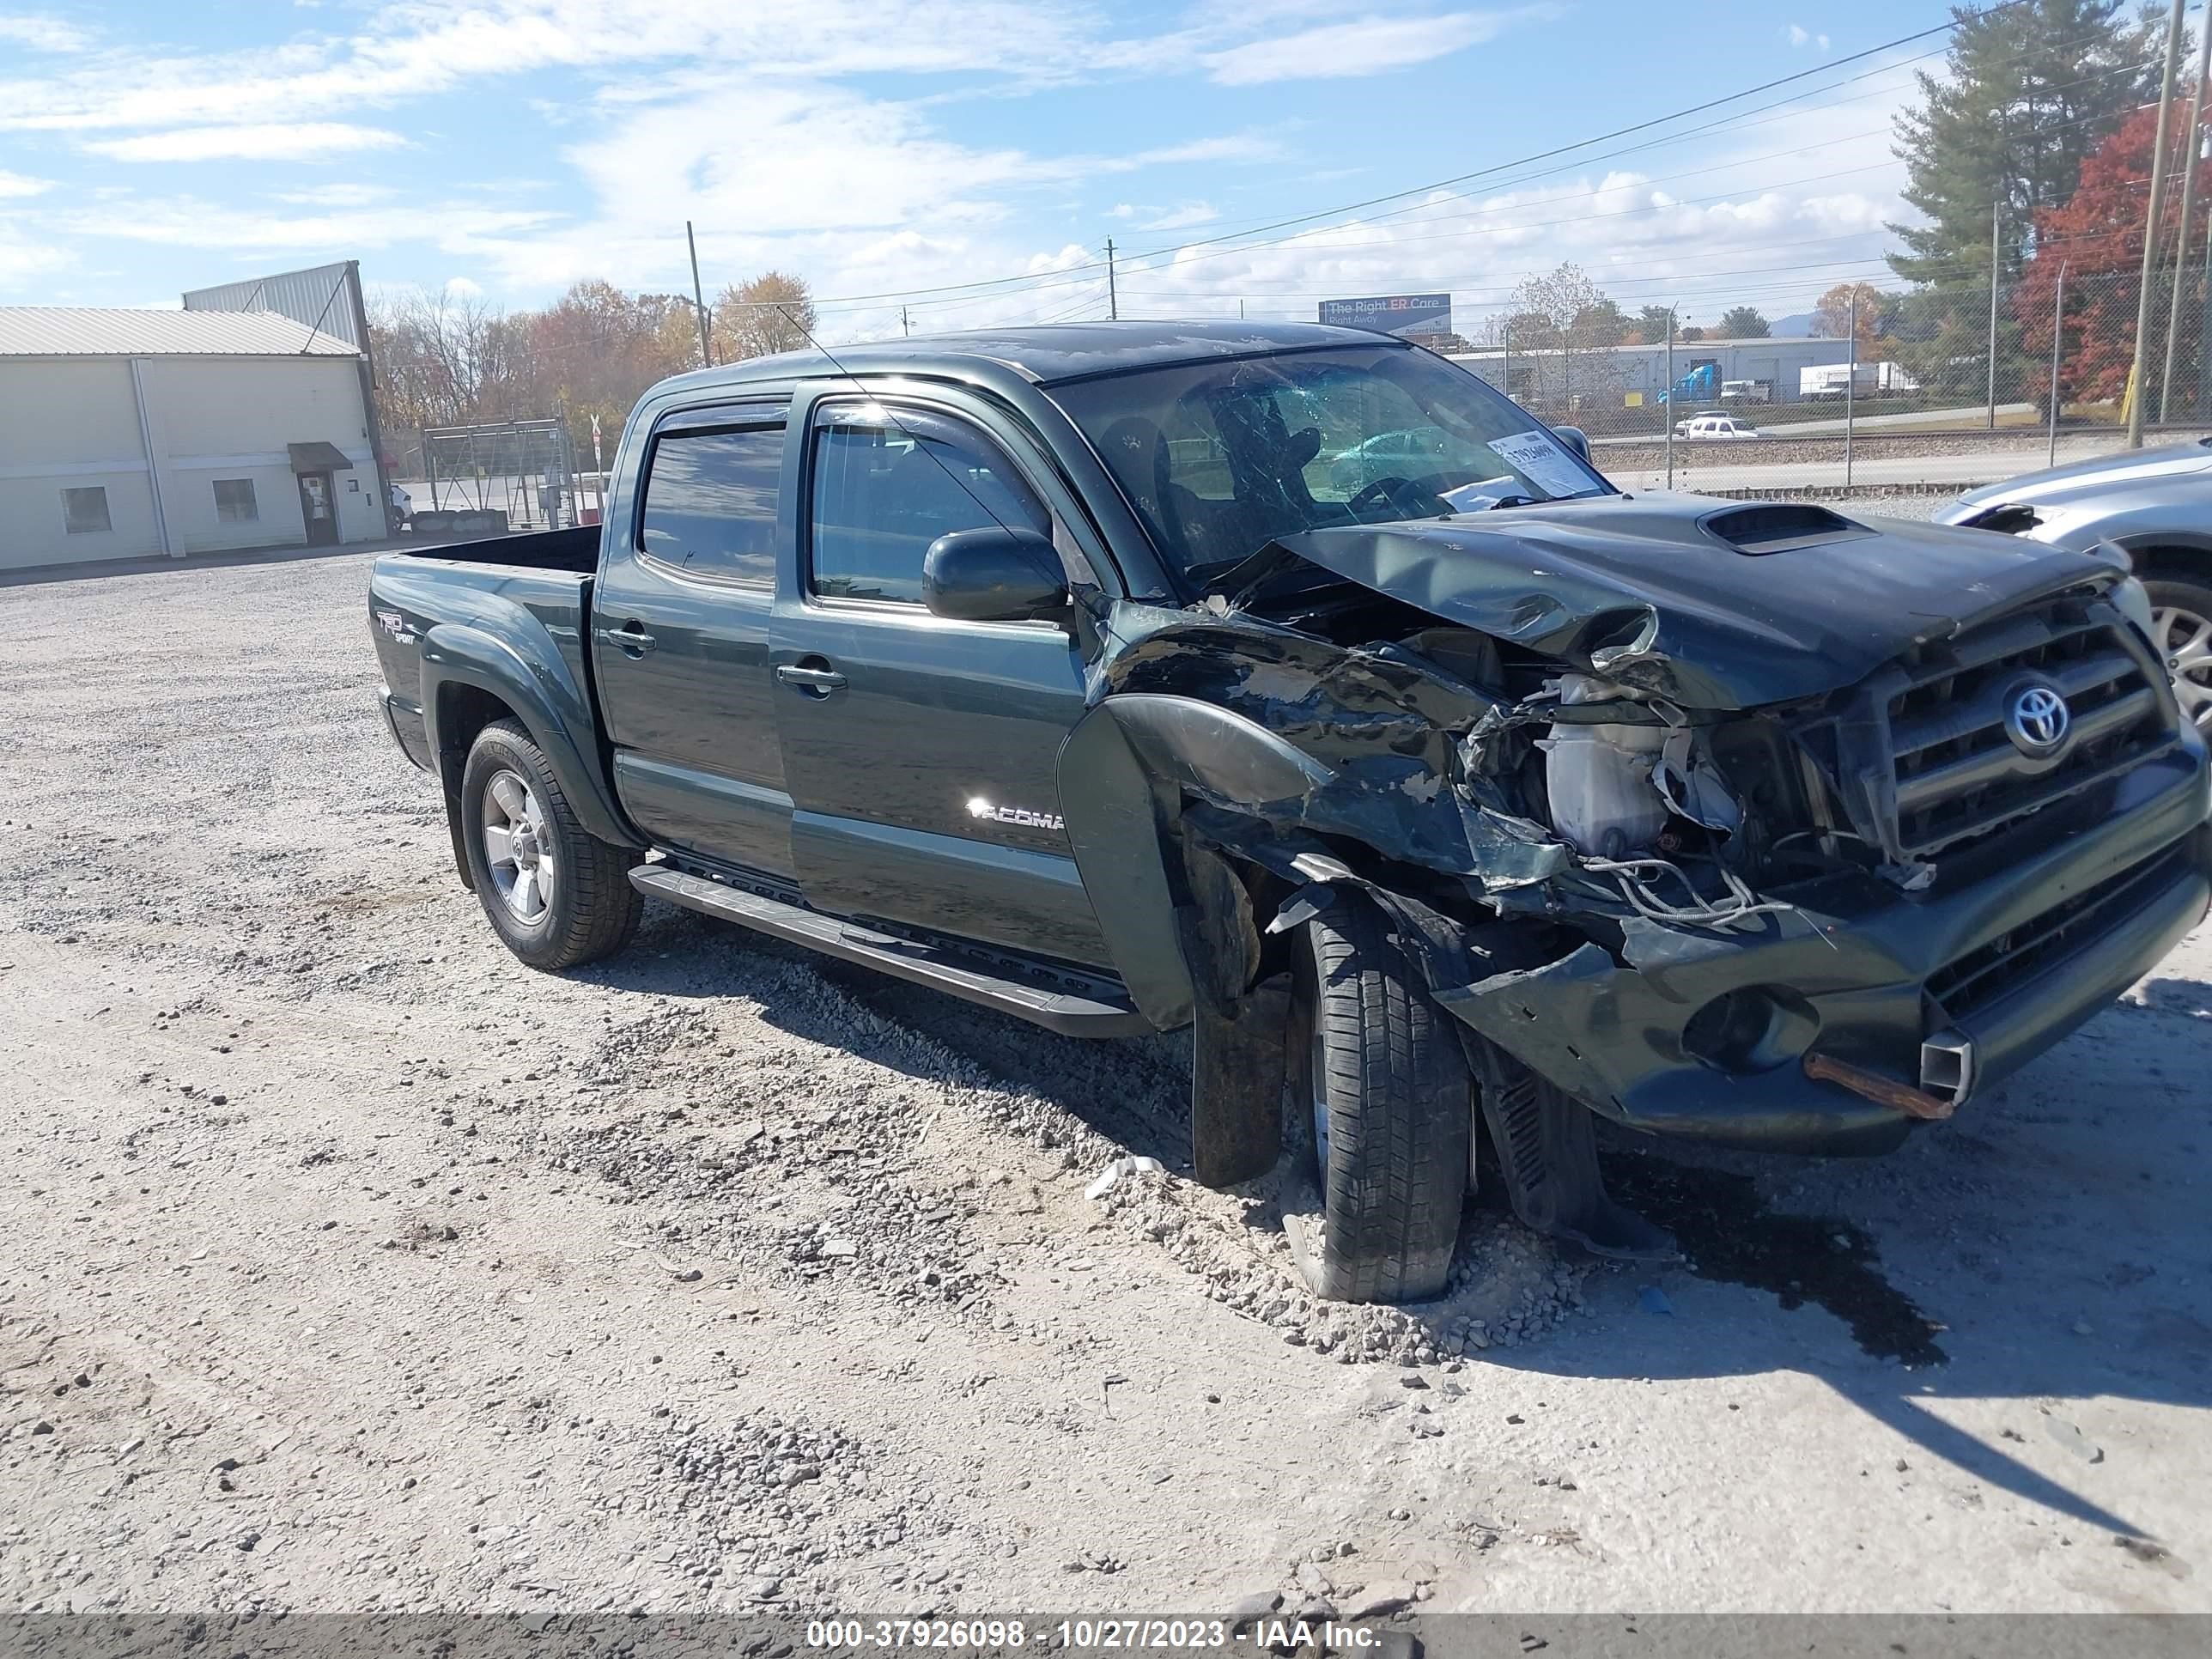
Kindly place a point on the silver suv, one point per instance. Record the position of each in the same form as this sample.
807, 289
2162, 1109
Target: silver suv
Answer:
2155, 505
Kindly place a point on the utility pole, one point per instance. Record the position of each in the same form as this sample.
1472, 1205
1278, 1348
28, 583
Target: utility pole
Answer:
1670, 396
1113, 299
906, 323
2058, 335
1851, 380
2188, 198
698, 298
1996, 209
2137, 387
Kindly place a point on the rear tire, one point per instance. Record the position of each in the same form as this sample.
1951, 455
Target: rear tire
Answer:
1385, 1083
2181, 610
554, 893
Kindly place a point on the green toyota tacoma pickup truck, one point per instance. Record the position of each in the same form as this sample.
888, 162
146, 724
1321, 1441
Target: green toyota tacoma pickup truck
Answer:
1290, 684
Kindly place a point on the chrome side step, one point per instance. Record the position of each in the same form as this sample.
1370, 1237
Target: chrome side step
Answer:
1072, 1005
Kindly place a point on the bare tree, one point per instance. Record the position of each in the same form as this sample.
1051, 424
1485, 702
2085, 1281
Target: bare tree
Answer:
1565, 323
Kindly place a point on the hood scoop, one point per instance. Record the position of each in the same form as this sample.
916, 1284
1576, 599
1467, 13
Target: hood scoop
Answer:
1763, 527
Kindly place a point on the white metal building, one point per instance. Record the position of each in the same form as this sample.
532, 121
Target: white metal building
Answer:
126, 433
1630, 376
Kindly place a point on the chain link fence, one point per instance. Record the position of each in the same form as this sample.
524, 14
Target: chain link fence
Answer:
489, 479
2043, 364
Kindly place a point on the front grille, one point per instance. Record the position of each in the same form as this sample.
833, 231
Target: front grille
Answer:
1958, 777
1972, 983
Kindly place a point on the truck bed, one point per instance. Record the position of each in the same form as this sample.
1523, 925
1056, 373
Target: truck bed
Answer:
532, 593
576, 550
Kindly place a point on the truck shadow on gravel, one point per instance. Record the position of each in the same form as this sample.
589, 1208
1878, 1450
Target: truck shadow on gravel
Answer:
2050, 1242
1135, 1091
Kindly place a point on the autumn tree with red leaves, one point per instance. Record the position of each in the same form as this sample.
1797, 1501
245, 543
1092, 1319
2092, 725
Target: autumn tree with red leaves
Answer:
2097, 237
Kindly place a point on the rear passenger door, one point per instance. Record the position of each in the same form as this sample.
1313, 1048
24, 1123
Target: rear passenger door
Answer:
680, 639
921, 753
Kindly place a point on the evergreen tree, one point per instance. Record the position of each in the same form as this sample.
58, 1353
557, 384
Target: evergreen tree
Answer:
1742, 322
2027, 92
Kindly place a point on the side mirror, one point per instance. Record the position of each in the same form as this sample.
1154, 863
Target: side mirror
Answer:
993, 575
1574, 438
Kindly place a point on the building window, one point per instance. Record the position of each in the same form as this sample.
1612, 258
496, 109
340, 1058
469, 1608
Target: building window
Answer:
234, 502
86, 510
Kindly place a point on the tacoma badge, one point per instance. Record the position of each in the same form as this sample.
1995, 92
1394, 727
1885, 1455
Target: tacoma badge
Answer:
980, 808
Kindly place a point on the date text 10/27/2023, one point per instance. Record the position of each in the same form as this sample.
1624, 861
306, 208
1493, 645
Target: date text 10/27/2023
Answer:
1110, 1634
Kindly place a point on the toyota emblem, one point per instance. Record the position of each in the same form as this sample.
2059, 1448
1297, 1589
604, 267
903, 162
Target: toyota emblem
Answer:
2036, 720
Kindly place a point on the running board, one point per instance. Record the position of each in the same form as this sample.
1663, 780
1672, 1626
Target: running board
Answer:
1097, 1009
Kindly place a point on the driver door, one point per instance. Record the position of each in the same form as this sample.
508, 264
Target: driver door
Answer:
921, 752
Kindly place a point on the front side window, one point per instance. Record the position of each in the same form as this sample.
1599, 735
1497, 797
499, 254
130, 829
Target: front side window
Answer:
84, 512
710, 501
234, 502
888, 484
1221, 458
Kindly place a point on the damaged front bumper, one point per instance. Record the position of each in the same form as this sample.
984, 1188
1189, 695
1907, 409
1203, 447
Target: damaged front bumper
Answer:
1705, 1035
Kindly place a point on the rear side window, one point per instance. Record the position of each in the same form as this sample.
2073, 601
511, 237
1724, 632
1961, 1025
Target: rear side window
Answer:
884, 489
710, 499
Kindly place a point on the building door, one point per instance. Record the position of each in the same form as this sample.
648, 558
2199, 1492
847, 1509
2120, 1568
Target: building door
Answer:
319, 508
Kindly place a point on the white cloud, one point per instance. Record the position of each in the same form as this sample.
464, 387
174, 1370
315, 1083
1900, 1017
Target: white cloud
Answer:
1797, 35
306, 141
1181, 218
44, 33
16, 184
1369, 45
20, 261
464, 288
416, 50
1122, 210
455, 227
336, 193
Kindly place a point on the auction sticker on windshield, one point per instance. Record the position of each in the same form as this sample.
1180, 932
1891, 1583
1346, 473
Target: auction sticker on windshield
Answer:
1539, 458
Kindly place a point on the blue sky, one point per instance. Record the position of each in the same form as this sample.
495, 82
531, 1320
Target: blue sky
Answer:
510, 147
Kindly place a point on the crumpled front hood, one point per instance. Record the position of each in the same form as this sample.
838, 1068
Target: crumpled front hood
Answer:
1639, 589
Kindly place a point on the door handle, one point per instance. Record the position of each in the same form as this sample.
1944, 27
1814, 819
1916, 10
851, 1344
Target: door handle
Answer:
814, 682
630, 636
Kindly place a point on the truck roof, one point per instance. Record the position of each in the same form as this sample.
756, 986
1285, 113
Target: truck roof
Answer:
1047, 354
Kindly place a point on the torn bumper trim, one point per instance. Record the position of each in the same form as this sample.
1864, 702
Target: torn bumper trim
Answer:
1854, 985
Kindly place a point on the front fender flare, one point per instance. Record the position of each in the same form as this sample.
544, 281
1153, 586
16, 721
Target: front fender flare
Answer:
1123, 772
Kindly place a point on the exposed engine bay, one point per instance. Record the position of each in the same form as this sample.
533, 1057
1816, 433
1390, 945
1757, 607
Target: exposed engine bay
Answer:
1697, 858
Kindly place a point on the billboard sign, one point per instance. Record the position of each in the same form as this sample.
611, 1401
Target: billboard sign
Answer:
1392, 313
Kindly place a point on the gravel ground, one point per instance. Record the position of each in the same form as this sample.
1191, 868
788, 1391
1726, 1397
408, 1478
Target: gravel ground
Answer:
353, 1265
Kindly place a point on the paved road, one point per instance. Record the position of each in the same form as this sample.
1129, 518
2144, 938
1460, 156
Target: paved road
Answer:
1712, 466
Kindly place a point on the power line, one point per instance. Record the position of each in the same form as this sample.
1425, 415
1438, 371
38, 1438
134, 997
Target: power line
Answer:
1604, 137
1035, 279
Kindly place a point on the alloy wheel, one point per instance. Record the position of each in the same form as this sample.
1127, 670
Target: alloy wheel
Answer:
2185, 640
518, 847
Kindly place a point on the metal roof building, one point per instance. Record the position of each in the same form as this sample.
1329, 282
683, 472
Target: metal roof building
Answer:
125, 433
115, 331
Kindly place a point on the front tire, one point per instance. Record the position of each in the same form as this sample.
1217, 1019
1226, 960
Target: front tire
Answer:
2181, 618
1385, 1083
554, 893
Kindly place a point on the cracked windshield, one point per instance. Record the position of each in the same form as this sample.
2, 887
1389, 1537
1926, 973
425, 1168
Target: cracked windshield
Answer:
1221, 460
